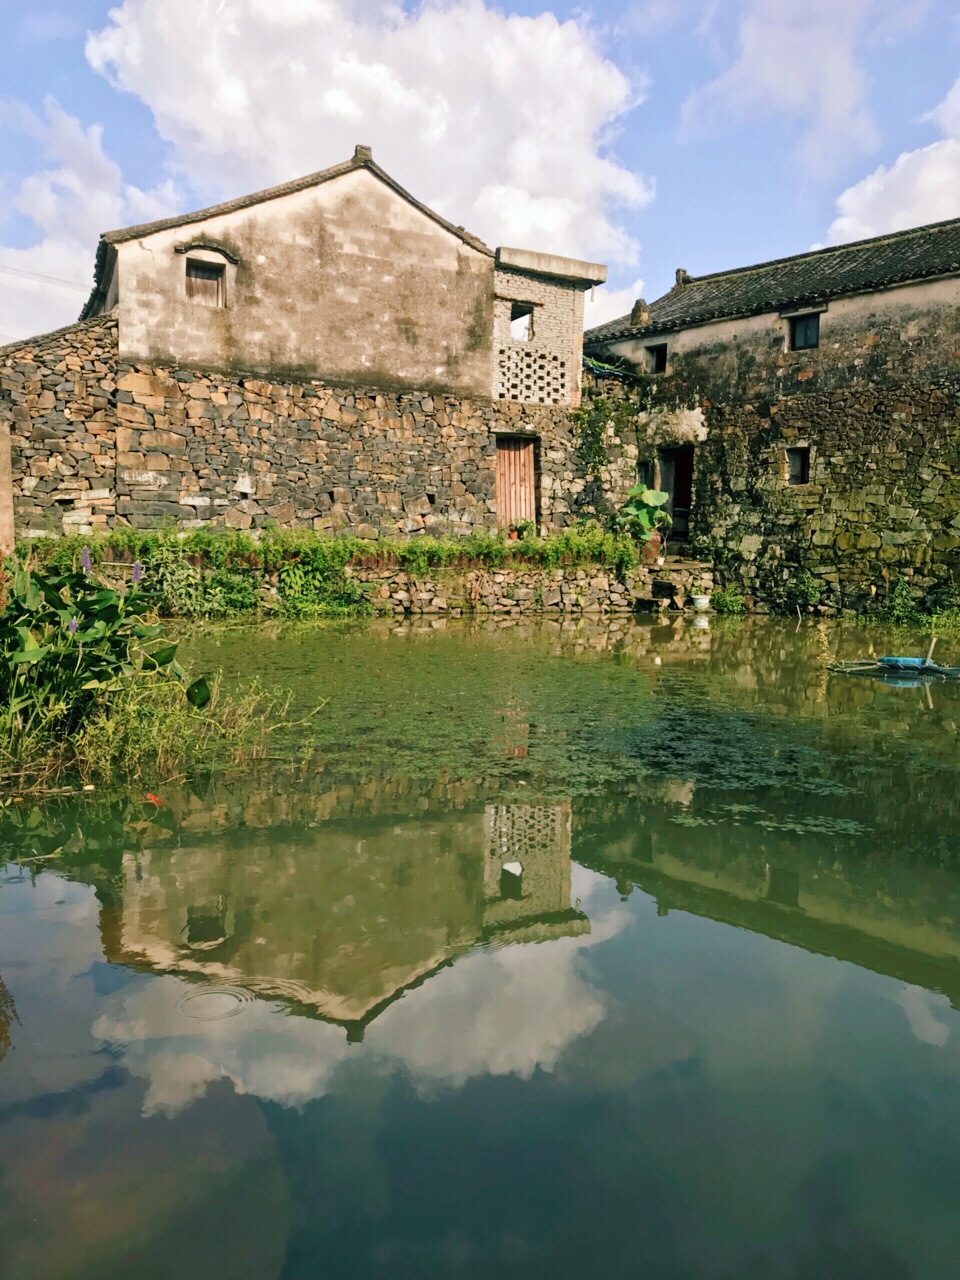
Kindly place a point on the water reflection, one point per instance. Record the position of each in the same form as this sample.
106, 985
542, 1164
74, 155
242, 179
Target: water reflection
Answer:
556, 960
341, 920
8, 1014
833, 893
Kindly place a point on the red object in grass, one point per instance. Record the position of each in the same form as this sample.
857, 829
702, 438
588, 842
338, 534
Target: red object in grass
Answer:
154, 799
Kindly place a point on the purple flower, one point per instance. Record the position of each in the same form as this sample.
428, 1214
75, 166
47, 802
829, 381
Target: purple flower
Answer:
137, 572
85, 559
73, 626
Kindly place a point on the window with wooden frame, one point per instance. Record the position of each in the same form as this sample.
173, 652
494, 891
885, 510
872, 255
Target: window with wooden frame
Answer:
206, 282
805, 332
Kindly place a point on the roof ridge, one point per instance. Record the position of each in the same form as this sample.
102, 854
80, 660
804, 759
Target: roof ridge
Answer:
886, 237
876, 262
361, 159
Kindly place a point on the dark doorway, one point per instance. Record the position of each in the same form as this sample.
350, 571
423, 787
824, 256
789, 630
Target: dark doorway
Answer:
676, 478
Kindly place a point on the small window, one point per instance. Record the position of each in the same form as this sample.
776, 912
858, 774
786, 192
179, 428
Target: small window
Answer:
805, 332
205, 282
521, 322
658, 358
645, 472
798, 466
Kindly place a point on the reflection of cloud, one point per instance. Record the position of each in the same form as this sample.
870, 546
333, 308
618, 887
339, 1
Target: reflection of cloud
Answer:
260, 1050
919, 1006
498, 1012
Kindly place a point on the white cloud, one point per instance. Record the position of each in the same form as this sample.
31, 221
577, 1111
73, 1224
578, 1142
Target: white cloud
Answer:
947, 114
610, 304
801, 60
920, 186
80, 193
497, 121
921, 1008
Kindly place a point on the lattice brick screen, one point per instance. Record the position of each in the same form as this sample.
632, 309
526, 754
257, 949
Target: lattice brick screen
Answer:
531, 376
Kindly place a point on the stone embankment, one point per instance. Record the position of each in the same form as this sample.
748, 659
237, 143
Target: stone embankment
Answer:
509, 592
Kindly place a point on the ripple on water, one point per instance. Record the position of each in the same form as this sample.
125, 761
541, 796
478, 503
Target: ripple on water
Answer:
213, 1003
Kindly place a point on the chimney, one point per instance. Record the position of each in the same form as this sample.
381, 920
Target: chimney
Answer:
682, 277
363, 153
640, 315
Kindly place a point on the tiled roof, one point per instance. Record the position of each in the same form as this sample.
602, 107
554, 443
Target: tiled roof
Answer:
362, 159
807, 279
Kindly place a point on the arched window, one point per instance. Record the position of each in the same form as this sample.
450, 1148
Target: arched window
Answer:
209, 272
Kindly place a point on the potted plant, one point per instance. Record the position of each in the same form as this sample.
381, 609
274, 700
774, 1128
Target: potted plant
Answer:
523, 529
643, 517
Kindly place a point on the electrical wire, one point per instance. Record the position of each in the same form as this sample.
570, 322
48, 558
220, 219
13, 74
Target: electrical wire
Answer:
35, 275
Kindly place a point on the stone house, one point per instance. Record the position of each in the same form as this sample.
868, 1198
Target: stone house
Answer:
327, 353
804, 415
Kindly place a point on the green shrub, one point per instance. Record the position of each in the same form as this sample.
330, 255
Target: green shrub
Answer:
728, 600
69, 645
643, 513
89, 686
65, 639
898, 607
804, 590
222, 573
149, 729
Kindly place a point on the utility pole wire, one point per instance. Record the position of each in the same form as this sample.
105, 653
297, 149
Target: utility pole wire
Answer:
35, 275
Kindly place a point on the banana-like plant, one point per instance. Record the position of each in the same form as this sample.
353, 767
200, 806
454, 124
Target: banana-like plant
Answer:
643, 513
67, 640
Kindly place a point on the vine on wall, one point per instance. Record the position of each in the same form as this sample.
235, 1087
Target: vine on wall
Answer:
599, 413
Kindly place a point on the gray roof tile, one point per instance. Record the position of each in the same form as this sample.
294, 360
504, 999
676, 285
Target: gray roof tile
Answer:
807, 278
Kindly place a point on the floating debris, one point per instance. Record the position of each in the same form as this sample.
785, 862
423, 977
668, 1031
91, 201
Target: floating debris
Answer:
902, 673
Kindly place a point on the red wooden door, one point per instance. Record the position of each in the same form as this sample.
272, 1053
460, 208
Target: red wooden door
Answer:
516, 481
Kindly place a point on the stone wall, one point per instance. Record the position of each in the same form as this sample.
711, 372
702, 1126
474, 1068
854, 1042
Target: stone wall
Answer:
882, 504
98, 441
512, 592
878, 406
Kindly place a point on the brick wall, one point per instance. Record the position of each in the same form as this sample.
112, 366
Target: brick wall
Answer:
546, 368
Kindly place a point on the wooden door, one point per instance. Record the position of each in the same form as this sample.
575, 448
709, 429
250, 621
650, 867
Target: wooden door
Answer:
516, 481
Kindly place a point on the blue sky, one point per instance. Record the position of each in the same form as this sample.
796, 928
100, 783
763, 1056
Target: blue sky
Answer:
649, 135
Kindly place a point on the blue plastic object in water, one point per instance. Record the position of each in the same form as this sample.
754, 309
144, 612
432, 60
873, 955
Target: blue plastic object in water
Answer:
903, 664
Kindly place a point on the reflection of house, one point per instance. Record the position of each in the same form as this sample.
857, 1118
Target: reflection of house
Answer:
536, 904
901, 920
340, 921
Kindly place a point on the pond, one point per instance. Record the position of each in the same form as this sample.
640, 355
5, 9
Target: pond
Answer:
604, 949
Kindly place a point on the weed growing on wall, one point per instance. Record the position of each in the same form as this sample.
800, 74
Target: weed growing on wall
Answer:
803, 591
209, 573
901, 610
728, 600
